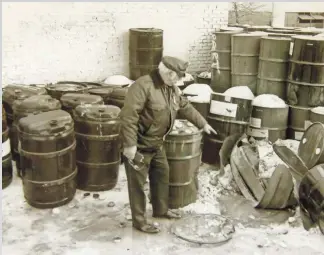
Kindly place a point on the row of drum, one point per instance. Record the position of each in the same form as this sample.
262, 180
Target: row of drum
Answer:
289, 67
57, 151
232, 115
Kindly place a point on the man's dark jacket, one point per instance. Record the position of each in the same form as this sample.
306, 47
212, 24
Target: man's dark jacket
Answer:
150, 110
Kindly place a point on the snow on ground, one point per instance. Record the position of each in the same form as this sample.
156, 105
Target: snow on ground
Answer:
99, 227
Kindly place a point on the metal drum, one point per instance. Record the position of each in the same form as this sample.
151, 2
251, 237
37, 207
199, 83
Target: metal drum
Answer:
22, 108
6, 154
18, 92
97, 131
268, 123
145, 50
87, 84
311, 196
245, 59
228, 116
273, 66
117, 97
47, 157
305, 83
104, 92
298, 122
221, 60
183, 151
71, 100
59, 89
311, 147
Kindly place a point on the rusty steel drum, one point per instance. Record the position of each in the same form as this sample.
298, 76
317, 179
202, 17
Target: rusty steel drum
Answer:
228, 116
145, 50
311, 196
298, 121
311, 147
305, 82
18, 92
268, 123
59, 89
47, 157
71, 100
97, 131
22, 108
273, 66
104, 92
6, 154
183, 151
221, 60
117, 97
245, 59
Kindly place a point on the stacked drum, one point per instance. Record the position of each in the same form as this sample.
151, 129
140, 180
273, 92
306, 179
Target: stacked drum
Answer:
305, 85
245, 59
221, 58
273, 66
145, 50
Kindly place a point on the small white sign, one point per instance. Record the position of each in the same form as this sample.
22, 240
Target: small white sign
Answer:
223, 108
5, 148
255, 122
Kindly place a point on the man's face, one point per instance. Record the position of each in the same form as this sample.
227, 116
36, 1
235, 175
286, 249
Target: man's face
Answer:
171, 78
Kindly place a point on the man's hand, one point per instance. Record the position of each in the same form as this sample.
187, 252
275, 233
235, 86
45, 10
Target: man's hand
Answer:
208, 129
130, 152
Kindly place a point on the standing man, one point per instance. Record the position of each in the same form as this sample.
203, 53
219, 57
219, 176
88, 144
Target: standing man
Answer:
151, 106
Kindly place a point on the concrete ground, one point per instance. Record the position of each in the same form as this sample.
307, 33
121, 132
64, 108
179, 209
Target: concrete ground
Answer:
89, 226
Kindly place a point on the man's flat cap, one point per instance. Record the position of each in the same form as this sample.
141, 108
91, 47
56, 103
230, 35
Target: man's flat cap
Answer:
176, 64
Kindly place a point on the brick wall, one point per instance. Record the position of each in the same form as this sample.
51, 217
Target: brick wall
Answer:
47, 42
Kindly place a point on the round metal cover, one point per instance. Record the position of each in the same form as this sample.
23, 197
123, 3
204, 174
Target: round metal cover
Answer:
311, 145
66, 87
204, 229
296, 165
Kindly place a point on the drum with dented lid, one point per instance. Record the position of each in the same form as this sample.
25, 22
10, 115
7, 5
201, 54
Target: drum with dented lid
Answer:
47, 157
22, 108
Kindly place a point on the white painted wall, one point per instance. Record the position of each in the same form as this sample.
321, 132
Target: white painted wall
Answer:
47, 42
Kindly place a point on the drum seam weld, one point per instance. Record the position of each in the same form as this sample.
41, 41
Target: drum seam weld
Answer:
95, 137
306, 63
276, 60
55, 182
244, 55
98, 164
185, 157
306, 83
222, 68
245, 74
271, 79
269, 128
48, 154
